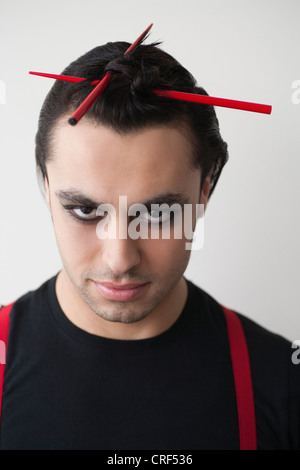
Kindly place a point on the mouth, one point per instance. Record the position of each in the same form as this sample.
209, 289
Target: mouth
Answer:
120, 292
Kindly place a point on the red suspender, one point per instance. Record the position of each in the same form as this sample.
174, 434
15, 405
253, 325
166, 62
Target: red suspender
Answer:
240, 365
242, 379
4, 327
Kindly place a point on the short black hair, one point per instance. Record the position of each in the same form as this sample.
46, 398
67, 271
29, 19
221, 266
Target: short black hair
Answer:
128, 103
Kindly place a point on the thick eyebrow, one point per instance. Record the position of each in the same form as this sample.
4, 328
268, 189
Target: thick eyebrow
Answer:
73, 196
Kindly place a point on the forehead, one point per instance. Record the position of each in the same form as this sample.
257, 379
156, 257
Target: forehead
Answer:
88, 156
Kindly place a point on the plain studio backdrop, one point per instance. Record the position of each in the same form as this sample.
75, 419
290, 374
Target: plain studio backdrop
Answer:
239, 49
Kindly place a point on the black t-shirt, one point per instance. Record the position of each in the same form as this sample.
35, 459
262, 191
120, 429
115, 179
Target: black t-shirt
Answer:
68, 389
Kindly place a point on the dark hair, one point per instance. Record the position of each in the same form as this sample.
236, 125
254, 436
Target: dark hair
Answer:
128, 103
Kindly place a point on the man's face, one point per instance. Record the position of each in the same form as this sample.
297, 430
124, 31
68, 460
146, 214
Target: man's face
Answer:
94, 162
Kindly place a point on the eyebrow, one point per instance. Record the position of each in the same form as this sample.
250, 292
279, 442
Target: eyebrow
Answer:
73, 196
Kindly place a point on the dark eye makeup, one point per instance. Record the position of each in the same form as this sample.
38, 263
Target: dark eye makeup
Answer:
91, 220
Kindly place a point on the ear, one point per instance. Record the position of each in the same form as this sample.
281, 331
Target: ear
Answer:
206, 190
47, 192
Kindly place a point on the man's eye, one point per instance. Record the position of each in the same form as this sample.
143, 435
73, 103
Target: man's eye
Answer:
156, 216
84, 213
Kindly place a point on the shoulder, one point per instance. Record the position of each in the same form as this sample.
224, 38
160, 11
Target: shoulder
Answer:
275, 370
276, 384
258, 336
271, 355
30, 302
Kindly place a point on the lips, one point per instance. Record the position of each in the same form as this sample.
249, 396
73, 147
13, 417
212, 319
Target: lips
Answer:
111, 285
120, 292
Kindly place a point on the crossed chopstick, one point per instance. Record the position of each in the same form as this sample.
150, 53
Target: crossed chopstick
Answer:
177, 95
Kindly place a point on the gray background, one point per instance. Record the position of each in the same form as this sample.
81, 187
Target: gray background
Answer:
238, 49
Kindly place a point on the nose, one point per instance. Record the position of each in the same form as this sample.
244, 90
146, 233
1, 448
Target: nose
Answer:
120, 255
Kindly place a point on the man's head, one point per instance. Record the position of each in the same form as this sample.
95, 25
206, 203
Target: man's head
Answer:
128, 104
130, 143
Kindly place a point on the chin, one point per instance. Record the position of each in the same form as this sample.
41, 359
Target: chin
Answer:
120, 314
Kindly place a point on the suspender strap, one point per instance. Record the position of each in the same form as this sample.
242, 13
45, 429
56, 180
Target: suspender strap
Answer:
4, 328
243, 381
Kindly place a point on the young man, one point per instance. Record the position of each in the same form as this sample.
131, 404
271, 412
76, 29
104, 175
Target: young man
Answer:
119, 350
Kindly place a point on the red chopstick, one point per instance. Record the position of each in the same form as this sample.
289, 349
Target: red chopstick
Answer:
139, 39
179, 95
65, 78
243, 105
100, 87
87, 103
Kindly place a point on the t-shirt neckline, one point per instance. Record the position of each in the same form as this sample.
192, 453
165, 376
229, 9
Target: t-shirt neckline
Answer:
169, 336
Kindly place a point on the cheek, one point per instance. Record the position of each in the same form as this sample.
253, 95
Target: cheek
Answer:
77, 242
166, 255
